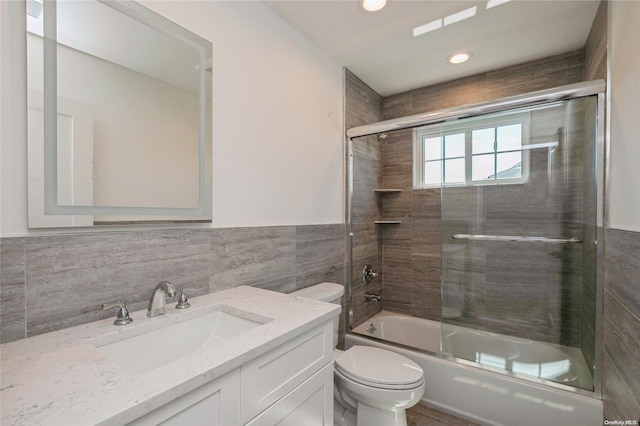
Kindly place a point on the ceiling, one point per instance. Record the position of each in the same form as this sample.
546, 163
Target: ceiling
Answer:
381, 49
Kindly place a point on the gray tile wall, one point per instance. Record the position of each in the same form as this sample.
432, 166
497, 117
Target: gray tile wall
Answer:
595, 48
52, 282
621, 363
13, 321
363, 106
535, 75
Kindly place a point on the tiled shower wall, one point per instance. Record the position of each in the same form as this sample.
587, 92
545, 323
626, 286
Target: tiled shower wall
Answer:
621, 363
52, 282
363, 106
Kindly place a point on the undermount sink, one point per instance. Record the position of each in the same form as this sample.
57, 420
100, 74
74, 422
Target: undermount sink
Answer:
154, 345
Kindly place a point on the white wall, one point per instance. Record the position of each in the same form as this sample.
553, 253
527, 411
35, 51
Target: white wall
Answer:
624, 193
277, 117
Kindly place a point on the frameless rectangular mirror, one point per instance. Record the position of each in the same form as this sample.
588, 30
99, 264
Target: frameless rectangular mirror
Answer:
119, 115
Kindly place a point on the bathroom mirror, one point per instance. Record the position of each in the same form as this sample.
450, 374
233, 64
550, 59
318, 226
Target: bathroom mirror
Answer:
119, 116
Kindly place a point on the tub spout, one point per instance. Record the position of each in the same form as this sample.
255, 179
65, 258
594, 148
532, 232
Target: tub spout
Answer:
372, 296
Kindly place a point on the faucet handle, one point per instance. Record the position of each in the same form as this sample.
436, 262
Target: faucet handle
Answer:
122, 318
368, 274
182, 300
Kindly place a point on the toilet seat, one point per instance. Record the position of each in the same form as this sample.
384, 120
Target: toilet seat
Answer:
379, 368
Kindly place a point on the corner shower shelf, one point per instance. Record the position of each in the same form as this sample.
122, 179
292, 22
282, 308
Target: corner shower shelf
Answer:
387, 191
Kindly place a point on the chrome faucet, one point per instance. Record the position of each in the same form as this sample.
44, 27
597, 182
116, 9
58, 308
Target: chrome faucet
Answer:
372, 296
157, 303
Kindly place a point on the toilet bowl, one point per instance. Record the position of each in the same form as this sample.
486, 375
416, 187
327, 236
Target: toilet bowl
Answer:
372, 386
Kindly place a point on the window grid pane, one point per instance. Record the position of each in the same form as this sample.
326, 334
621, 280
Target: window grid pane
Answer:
509, 165
454, 171
433, 172
509, 138
483, 167
454, 145
496, 153
483, 141
432, 148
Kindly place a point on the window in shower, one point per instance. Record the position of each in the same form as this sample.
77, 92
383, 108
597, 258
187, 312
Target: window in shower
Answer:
488, 152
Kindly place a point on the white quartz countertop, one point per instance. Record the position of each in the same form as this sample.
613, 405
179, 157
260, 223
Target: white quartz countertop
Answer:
60, 378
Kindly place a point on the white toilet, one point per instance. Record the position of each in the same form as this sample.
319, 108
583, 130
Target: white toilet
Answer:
372, 386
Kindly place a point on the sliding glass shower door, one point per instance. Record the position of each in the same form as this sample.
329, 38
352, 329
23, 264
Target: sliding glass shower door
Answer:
518, 194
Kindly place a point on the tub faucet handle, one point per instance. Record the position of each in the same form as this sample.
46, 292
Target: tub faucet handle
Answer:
183, 300
122, 318
368, 274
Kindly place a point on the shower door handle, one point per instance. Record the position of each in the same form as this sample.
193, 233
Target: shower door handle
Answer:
518, 238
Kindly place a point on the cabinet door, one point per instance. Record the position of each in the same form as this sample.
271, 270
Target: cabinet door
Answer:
213, 404
310, 404
271, 376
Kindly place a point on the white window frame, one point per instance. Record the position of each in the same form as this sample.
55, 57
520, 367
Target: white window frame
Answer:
467, 127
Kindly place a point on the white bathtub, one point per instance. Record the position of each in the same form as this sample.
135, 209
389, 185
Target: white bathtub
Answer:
484, 396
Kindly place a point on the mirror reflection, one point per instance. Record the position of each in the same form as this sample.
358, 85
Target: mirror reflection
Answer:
119, 115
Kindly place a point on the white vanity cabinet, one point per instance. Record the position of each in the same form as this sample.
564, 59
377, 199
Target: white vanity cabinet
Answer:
310, 404
215, 404
292, 384
289, 385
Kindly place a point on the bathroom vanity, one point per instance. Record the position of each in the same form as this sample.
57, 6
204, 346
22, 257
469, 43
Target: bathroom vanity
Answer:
240, 356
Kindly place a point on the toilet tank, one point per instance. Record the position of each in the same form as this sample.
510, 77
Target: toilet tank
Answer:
324, 292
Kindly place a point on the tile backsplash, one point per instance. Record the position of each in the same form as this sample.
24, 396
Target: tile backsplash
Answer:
53, 282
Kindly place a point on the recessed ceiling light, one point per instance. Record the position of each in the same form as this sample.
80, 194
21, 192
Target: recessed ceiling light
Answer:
373, 5
459, 57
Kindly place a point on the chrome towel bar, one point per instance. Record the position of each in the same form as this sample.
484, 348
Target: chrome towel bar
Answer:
480, 237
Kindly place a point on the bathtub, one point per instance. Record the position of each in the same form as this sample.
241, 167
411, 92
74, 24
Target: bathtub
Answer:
479, 394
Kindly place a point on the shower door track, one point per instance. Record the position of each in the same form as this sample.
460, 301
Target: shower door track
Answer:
561, 93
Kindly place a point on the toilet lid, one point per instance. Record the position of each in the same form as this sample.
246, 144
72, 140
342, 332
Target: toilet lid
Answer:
378, 366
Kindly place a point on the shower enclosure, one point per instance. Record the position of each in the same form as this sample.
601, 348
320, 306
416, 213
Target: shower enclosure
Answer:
487, 219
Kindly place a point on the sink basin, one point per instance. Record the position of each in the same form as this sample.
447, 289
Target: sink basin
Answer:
144, 349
